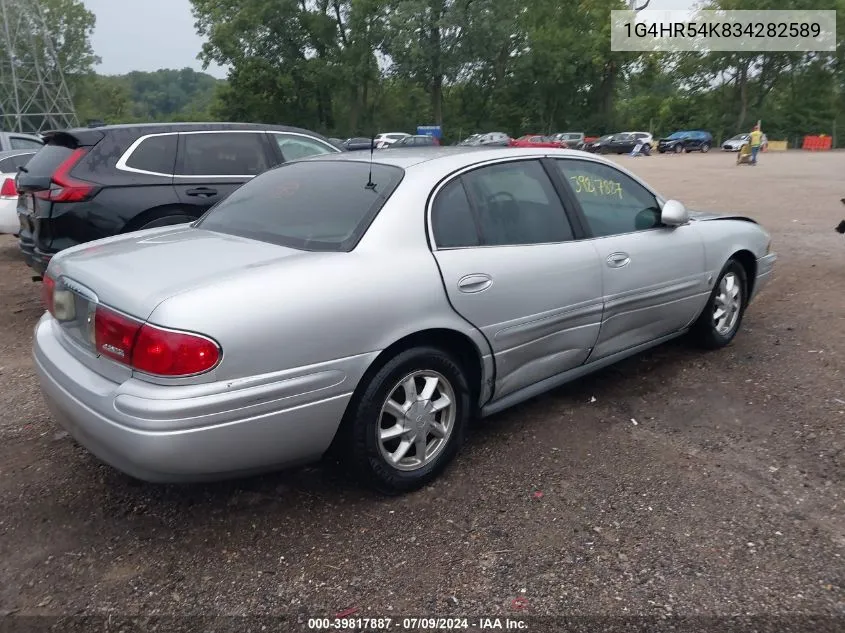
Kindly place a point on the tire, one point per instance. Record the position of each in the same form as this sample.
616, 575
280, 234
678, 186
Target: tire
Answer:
706, 330
705, 147
368, 416
678, 148
168, 220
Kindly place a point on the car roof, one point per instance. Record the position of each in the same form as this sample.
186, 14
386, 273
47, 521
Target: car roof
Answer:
17, 152
450, 157
188, 127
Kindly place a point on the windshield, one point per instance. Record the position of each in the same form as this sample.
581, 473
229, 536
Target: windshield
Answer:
606, 137
739, 137
293, 206
678, 135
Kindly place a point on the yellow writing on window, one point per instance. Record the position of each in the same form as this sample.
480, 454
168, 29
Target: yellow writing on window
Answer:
597, 186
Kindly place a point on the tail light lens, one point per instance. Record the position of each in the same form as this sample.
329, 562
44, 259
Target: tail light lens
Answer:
65, 188
169, 353
151, 349
9, 190
114, 335
48, 288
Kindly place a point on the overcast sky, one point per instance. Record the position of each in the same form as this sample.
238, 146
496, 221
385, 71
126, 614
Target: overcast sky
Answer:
152, 34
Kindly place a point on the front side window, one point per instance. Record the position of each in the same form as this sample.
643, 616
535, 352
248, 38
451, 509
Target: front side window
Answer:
295, 146
156, 154
307, 205
223, 154
515, 204
613, 202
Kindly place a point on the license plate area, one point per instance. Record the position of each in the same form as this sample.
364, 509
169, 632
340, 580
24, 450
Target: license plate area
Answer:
74, 310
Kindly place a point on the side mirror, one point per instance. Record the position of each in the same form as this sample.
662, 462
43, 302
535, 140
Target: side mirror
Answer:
674, 213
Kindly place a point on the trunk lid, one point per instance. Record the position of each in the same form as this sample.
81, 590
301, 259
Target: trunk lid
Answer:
134, 273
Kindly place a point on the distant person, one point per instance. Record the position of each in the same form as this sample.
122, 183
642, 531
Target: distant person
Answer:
756, 141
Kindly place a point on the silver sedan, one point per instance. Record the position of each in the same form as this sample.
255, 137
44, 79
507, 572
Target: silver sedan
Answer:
334, 306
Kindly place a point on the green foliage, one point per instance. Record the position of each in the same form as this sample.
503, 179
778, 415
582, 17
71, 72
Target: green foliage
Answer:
163, 95
350, 67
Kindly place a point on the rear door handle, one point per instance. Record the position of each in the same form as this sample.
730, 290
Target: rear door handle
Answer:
618, 260
474, 283
205, 192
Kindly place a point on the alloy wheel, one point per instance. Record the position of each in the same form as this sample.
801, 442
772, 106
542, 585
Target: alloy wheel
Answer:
416, 420
727, 304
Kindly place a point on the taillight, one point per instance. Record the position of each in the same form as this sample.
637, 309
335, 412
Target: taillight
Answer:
169, 353
65, 188
9, 190
114, 335
151, 349
48, 289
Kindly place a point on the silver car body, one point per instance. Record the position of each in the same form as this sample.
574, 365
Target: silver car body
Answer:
300, 329
735, 143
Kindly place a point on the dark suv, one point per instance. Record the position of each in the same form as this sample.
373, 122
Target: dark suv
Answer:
686, 141
90, 183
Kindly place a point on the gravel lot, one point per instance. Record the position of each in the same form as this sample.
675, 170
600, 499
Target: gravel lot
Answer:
725, 498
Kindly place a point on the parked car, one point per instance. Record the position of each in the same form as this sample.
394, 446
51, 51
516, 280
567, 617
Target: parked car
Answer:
573, 140
735, 143
15, 140
596, 145
10, 162
279, 327
625, 142
86, 184
536, 140
686, 141
386, 139
358, 143
469, 140
417, 140
494, 139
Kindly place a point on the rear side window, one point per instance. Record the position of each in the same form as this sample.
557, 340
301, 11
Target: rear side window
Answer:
452, 220
223, 154
296, 146
18, 142
45, 162
309, 205
10, 165
156, 154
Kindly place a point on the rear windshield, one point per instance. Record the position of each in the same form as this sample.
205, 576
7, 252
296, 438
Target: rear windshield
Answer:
47, 159
318, 205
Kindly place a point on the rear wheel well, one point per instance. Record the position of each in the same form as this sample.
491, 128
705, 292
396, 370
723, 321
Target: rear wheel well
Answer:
749, 263
460, 346
156, 213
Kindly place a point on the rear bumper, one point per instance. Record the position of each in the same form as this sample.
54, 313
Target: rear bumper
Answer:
199, 432
35, 259
765, 266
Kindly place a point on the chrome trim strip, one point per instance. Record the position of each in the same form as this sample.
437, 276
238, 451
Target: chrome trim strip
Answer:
122, 166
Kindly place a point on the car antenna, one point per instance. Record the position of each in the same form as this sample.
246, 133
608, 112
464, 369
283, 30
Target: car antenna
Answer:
370, 184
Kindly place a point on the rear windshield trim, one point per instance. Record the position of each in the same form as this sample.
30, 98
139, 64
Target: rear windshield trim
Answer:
344, 246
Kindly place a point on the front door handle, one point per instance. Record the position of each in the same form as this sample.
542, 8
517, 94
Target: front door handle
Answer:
475, 283
204, 192
618, 260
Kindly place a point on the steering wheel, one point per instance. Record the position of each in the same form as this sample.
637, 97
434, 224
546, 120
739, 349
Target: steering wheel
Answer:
647, 219
501, 194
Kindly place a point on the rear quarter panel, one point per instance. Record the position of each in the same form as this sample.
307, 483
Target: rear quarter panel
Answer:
327, 306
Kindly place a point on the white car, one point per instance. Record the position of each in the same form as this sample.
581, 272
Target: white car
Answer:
385, 139
735, 143
9, 163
